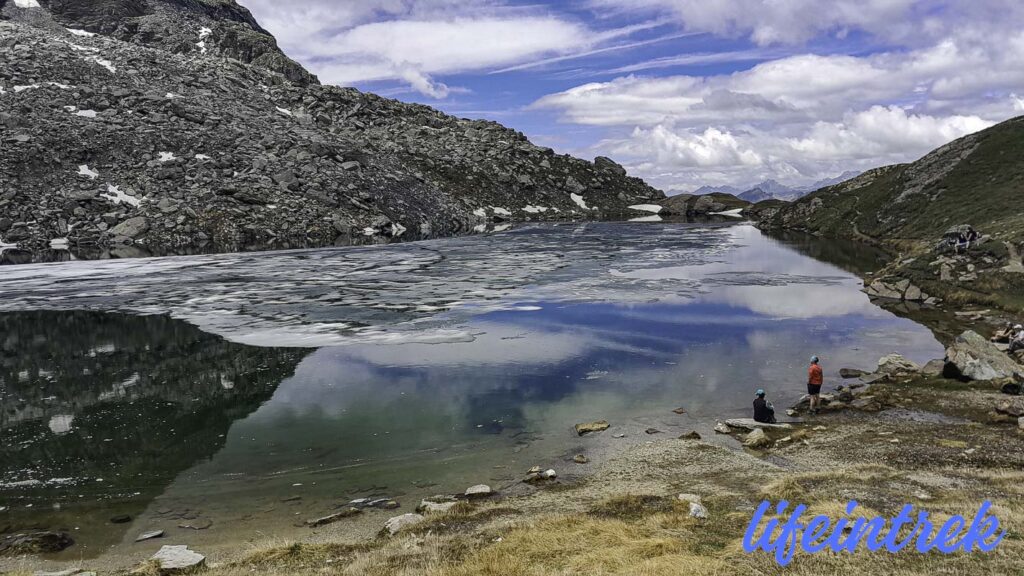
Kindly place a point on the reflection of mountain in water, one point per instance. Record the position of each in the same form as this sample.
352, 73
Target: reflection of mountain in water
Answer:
854, 257
112, 407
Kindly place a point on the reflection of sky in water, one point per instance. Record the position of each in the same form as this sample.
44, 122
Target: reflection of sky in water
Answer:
535, 366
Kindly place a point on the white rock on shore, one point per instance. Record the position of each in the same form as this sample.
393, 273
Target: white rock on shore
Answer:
175, 559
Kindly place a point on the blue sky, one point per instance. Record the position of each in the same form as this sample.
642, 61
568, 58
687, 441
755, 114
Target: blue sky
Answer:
684, 92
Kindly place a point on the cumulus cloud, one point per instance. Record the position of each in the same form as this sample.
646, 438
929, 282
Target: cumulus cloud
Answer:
803, 116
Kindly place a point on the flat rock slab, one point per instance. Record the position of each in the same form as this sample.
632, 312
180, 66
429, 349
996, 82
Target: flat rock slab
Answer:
175, 559
751, 424
588, 427
393, 525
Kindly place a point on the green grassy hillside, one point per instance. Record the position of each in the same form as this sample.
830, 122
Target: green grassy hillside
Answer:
977, 180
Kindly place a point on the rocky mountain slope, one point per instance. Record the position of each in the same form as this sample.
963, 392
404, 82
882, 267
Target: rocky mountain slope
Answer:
173, 124
977, 180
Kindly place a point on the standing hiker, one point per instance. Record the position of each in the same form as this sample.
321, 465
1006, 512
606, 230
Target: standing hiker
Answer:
815, 378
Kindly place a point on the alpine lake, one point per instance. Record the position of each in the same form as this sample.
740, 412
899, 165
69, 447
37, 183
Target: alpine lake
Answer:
227, 399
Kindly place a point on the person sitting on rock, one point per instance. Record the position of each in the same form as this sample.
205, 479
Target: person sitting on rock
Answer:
764, 412
1017, 342
815, 378
1005, 335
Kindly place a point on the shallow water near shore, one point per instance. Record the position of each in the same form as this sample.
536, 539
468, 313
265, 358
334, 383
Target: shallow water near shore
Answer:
225, 399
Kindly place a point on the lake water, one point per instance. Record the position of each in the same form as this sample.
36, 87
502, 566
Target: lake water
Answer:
245, 393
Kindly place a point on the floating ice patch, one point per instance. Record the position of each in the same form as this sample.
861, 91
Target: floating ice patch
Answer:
116, 196
480, 212
26, 3
654, 218
84, 170
25, 87
82, 33
534, 209
579, 201
646, 208
284, 111
501, 211
166, 157
86, 113
202, 157
734, 213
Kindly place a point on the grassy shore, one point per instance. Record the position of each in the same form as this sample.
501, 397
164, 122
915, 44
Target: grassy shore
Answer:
935, 445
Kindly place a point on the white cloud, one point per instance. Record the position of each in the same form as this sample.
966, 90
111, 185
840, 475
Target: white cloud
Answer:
668, 148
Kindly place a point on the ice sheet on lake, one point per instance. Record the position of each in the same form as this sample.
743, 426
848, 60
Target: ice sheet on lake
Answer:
423, 292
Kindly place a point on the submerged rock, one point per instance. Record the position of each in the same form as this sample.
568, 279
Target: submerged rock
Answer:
580, 459
346, 513
691, 435
150, 535
588, 427
41, 542
851, 373
178, 559
721, 428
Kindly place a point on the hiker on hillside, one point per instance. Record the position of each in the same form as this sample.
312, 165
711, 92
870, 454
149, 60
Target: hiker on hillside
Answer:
1017, 342
815, 378
764, 412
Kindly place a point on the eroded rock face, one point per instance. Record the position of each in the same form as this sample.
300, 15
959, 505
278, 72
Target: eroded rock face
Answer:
973, 357
130, 121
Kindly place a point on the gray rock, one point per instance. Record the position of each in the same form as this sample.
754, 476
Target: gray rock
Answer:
332, 518
436, 505
756, 439
150, 535
178, 559
751, 424
479, 491
397, 523
973, 357
697, 510
131, 228
896, 364
41, 542
588, 427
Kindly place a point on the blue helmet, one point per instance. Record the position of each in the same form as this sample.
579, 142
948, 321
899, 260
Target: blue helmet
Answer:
760, 392
814, 359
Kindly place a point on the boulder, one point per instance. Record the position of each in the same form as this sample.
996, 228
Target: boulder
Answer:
721, 428
973, 357
436, 505
397, 523
479, 491
41, 542
934, 368
131, 228
756, 439
895, 364
851, 373
588, 427
691, 435
580, 459
178, 559
1011, 407
697, 510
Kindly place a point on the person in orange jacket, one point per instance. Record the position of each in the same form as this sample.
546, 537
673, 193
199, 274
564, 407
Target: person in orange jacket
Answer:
815, 378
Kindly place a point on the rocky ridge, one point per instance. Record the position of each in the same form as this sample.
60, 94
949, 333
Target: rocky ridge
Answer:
184, 126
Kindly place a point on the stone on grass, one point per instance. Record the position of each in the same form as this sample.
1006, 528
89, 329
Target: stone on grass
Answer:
397, 523
479, 491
